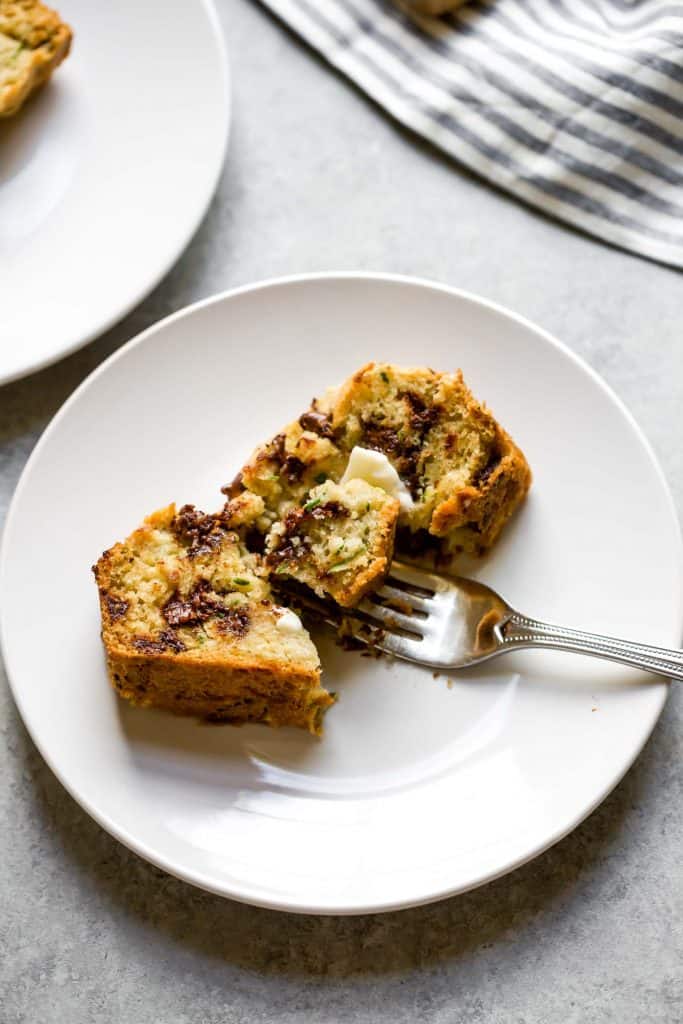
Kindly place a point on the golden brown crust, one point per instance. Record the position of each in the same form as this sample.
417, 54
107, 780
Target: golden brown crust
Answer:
188, 626
489, 504
354, 587
465, 473
33, 42
373, 575
216, 692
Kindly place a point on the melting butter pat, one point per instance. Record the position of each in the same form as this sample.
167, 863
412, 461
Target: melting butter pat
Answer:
376, 470
287, 621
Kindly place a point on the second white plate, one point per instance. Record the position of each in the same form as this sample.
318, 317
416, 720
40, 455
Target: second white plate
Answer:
418, 789
107, 171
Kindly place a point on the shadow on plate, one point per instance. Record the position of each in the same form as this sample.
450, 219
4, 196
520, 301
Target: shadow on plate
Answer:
21, 134
219, 756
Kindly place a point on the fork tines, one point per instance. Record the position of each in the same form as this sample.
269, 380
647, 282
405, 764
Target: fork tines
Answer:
392, 619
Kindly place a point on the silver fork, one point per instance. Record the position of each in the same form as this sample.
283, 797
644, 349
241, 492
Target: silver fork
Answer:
451, 622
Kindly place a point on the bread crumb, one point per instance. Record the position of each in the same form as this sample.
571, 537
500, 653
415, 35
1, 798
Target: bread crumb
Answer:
450, 683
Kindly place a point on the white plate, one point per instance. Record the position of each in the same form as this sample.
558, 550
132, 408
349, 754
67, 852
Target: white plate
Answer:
106, 173
418, 789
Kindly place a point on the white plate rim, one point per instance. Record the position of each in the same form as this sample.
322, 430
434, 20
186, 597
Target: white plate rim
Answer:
172, 257
197, 878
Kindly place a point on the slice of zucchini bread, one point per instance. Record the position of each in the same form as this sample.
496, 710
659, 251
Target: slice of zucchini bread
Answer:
189, 624
456, 472
33, 42
339, 543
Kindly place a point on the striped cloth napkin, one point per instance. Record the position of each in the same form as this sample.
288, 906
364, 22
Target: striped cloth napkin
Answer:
574, 106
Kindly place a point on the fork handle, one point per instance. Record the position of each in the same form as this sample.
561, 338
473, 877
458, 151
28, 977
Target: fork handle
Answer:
519, 631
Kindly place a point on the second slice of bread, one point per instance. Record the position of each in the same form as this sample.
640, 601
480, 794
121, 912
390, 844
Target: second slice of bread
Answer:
189, 626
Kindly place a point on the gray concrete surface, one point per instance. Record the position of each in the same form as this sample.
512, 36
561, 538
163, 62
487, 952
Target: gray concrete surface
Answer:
316, 179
